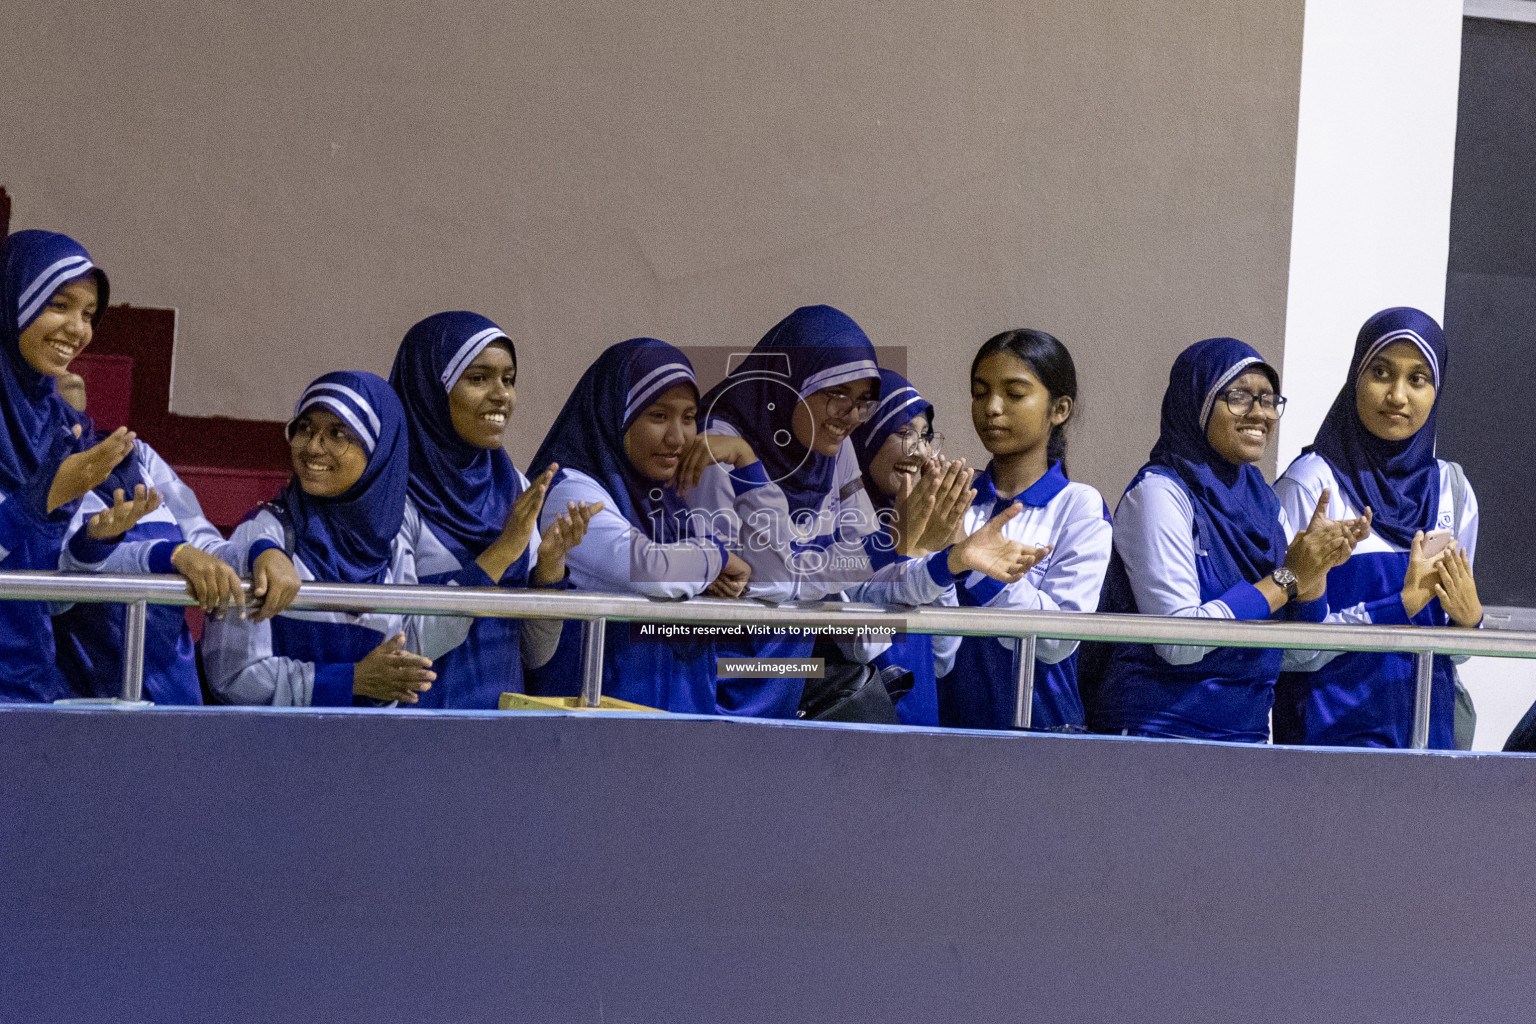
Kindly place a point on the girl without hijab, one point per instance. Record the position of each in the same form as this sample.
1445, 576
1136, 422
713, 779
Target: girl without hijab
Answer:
1023, 393
1199, 533
1375, 456
456, 375
795, 400
344, 518
53, 296
620, 442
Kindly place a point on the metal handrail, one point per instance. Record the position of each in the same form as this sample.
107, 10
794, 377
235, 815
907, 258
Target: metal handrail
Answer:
596, 609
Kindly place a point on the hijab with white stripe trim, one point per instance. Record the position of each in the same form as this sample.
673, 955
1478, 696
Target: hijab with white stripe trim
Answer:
1398, 480
588, 435
37, 420
347, 539
464, 492
1237, 516
814, 347
899, 405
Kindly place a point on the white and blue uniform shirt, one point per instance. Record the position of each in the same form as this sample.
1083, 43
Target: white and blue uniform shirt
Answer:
465, 494
1193, 534
370, 533
827, 538
307, 658
1366, 698
36, 435
978, 693
90, 636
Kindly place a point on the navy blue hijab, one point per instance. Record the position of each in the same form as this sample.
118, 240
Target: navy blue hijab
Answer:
1237, 514
814, 347
37, 422
1398, 480
464, 491
899, 405
588, 435
347, 539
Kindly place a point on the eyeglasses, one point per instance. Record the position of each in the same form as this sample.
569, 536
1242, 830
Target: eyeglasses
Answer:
841, 406
926, 445
334, 440
1240, 401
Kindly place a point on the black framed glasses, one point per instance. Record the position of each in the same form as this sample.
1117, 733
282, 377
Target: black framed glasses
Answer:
1241, 401
927, 444
334, 440
842, 406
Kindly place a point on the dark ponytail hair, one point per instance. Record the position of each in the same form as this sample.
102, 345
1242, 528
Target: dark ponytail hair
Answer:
1049, 360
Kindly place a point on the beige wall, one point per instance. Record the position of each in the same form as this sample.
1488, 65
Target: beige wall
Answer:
303, 181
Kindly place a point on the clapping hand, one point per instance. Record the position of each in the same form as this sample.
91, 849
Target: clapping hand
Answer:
1456, 588
124, 514
562, 535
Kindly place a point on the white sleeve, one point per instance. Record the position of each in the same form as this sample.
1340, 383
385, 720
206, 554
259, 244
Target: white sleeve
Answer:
429, 635
907, 581
241, 668
1469, 522
1154, 536
1298, 491
618, 558
946, 646
1069, 580
264, 526
177, 503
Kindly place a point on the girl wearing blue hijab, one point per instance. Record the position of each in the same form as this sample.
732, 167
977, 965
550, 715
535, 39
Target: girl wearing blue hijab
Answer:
51, 298
456, 375
893, 448
1375, 455
1199, 533
344, 518
796, 399
621, 441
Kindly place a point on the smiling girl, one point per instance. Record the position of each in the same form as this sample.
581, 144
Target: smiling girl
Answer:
1375, 453
456, 375
796, 399
51, 297
621, 440
1023, 395
1199, 533
345, 518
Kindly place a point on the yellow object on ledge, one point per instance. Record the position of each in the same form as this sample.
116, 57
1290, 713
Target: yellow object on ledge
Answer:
528, 702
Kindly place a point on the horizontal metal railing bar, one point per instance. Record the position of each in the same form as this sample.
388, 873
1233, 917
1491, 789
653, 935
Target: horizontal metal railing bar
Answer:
555, 604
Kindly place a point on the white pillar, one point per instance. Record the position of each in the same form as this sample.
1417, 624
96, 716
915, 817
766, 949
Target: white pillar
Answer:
1375, 150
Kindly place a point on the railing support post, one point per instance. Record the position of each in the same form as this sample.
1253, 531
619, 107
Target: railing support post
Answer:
1424, 676
133, 651
1023, 681
592, 631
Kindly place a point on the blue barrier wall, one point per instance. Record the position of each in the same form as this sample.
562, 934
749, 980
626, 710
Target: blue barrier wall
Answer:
312, 866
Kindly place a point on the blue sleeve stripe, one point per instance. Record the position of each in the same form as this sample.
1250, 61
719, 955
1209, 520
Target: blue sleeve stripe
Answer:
160, 556
880, 550
981, 593
938, 569
88, 549
748, 479
333, 685
260, 546
1247, 602
1388, 611
1310, 611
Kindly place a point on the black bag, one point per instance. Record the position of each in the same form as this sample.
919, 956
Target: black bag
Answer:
853, 692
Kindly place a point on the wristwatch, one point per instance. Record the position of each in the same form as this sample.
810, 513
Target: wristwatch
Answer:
1283, 577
